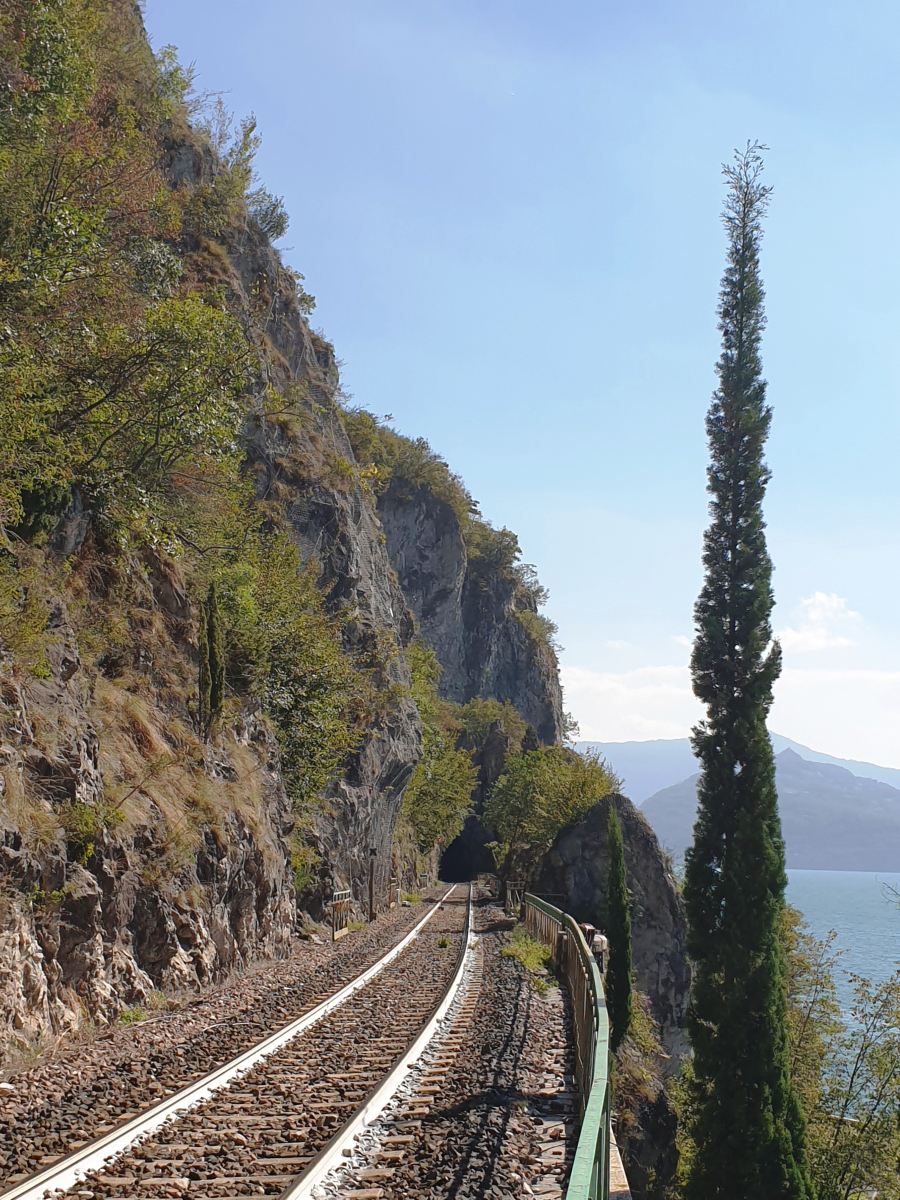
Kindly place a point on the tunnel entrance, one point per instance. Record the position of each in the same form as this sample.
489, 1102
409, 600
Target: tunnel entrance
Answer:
468, 856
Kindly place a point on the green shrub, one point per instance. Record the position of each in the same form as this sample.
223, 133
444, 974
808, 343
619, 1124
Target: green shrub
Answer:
534, 957
532, 954
305, 863
408, 464
438, 797
479, 716
308, 684
542, 790
539, 628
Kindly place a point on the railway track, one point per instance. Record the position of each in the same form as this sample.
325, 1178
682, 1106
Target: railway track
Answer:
267, 1120
61, 1105
488, 1113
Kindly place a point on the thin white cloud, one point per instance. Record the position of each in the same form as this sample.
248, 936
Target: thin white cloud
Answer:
824, 619
852, 714
848, 713
680, 640
651, 702
617, 644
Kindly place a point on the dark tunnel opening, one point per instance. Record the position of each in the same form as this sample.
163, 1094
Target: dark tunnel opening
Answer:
467, 856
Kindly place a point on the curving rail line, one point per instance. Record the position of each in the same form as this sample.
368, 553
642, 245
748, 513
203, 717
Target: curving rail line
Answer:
291, 1095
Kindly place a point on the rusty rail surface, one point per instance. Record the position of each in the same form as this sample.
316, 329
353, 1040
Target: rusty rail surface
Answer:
574, 961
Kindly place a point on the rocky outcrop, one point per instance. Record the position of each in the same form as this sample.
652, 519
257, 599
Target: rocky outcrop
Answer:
97, 912
575, 869
467, 612
305, 464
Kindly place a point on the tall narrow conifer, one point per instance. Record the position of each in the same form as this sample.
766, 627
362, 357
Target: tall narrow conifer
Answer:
618, 932
748, 1129
212, 662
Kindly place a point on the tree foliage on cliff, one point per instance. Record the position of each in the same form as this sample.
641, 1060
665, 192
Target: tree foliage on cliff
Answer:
540, 791
123, 375
110, 380
438, 798
748, 1126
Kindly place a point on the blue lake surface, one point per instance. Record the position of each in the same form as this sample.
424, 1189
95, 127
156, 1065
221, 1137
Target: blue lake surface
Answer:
854, 905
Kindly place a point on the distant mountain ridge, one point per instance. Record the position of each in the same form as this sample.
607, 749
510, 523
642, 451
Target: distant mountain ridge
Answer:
832, 819
647, 767
837, 814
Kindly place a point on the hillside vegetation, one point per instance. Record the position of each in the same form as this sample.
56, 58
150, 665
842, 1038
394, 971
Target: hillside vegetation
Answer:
214, 700
128, 372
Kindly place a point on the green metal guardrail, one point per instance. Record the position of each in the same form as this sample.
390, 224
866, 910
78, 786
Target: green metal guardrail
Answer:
573, 959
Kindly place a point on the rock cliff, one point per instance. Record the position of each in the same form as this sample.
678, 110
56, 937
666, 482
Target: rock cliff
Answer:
310, 472
88, 927
136, 859
575, 868
469, 612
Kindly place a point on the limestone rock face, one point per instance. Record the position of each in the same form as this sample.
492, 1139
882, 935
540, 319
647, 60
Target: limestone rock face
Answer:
427, 552
84, 935
576, 868
311, 471
88, 941
467, 613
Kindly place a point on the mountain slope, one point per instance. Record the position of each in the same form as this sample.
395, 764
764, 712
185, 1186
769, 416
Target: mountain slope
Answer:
832, 819
646, 767
209, 707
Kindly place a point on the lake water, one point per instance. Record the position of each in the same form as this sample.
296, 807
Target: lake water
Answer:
853, 904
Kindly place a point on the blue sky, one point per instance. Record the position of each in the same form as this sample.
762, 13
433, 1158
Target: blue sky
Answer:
508, 213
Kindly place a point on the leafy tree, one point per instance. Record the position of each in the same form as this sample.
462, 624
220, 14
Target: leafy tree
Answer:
542, 790
108, 380
269, 212
618, 930
846, 1070
855, 1130
290, 654
479, 716
749, 1129
438, 797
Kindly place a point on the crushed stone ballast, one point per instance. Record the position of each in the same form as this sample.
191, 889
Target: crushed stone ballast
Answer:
91, 1160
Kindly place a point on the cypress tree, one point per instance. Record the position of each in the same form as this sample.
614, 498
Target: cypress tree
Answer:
618, 931
212, 662
748, 1129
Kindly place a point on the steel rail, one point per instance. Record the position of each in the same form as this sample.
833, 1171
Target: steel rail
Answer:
67, 1171
378, 1099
